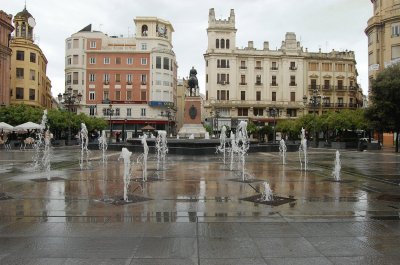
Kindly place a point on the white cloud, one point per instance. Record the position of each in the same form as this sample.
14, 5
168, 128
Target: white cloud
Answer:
328, 24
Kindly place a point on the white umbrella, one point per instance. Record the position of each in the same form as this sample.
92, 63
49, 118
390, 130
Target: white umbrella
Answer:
6, 126
28, 126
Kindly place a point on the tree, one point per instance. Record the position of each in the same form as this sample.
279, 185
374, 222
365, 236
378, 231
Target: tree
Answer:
384, 108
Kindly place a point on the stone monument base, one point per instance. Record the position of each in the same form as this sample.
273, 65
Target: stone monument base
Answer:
187, 130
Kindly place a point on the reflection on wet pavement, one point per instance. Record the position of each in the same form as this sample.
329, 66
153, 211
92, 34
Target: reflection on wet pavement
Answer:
196, 213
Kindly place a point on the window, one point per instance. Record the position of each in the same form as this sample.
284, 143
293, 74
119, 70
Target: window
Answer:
340, 85
222, 44
20, 73
292, 80
118, 95
340, 67
217, 43
327, 84
129, 95
242, 95
243, 65
274, 96
75, 59
222, 79
129, 79
326, 101
258, 95
92, 60
69, 78
395, 52
129, 60
206, 78
166, 63
143, 95
75, 43
106, 60
143, 79
273, 78
242, 79
145, 30
19, 93
258, 79
92, 95
227, 44
117, 111
326, 67
92, 77
143, 61
75, 76
222, 94
243, 111
292, 96
92, 110
274, 66
106, 78
143, 112
32, 57
69, 60
340, 102
92, 44
32, 74
128, 112
313, 66
20, 55
395, 30
106, 95
258, 112
69, 45
144, 46
291, 112
31, 94
117, 78
118, 60
258, 65
313, 83
158, 62
293, 66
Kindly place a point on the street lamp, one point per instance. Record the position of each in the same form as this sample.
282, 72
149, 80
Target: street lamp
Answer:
110, 112
315, 100
69, 100
273, 112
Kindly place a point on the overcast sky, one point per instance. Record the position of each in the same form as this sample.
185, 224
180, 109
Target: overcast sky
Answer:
325, 24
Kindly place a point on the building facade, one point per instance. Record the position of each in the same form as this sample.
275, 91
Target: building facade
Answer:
5, 57
383, 32
29, 82
268, 85
130, 81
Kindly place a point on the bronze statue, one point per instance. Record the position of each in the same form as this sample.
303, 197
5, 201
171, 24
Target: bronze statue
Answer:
193, 82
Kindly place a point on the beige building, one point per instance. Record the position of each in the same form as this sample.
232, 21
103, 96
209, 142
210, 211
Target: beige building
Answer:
5, 57
267, 85
383, 31
29, 82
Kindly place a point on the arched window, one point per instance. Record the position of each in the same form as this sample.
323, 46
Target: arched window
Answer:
227, 44
17, 29
23, 30
222, 44
217, 43
144, 30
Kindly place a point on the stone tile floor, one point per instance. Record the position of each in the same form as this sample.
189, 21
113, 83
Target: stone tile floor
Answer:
195, 214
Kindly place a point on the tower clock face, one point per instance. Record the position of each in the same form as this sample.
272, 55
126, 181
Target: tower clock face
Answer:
31, 22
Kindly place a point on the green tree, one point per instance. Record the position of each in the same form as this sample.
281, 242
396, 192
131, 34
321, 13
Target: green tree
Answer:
21, 113
384, 108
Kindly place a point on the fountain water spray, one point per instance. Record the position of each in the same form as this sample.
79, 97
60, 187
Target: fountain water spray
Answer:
43, 148
337, 168
242, 140
303, 150
282, 150
267, 194
143, 157
232, 151
84, 139
126, 155
162, 148
103, 144
222, 139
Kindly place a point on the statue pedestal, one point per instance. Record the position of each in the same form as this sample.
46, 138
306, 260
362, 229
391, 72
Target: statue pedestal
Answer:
192, 119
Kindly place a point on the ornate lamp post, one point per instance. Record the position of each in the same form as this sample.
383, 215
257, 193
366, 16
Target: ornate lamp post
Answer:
273, 112
110, 112
315, 100
69, 100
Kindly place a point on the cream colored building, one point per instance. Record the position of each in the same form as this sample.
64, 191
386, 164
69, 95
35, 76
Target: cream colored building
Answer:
5, 57
266, 85
383, 33
29, 82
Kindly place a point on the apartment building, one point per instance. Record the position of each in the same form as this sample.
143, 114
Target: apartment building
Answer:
268, 85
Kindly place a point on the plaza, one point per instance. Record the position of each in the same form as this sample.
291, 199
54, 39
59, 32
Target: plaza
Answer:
193, 210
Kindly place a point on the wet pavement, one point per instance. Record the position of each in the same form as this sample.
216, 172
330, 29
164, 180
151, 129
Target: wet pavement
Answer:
195, 213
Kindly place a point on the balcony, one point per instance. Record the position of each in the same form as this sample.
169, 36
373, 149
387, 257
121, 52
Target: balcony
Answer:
258, 68
242, 83
328, 105
274, 68
143, 83
129, 82
341, 88
242, 67
352, 88
313, 87
327, 87
292, 84
106, 82
258, 84
292, 68
340, 105
274, 84
223, 83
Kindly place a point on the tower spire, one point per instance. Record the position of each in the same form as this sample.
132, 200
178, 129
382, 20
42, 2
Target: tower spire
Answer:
25, 5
